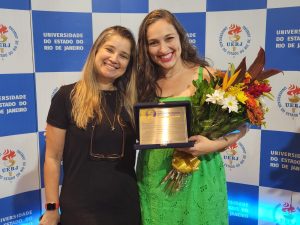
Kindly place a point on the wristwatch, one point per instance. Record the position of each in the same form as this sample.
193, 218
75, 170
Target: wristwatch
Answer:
51, 206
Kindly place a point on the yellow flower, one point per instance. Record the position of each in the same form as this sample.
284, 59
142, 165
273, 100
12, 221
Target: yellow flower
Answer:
241, 97
238, 92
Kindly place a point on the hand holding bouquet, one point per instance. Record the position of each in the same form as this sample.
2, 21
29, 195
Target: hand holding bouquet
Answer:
222, 104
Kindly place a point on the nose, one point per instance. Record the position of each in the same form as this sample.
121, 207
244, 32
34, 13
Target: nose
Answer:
114, 58
163, 47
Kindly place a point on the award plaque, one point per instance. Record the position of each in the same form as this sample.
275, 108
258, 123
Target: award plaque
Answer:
163, 125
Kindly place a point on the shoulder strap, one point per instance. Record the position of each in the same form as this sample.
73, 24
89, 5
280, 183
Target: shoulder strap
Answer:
200, 73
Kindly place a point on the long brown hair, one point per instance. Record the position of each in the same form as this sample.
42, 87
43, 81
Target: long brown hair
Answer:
148, 71
86, 96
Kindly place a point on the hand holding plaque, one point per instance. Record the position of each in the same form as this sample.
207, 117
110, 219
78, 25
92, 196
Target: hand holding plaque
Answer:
163, 125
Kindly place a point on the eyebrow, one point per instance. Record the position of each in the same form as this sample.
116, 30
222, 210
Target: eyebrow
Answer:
167, 35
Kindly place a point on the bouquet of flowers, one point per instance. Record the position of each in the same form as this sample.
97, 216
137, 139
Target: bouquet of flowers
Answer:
219, 106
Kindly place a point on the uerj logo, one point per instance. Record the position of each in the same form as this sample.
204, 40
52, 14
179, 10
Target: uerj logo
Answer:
234, 39
12, 164
234, 155
288, 100
9, 41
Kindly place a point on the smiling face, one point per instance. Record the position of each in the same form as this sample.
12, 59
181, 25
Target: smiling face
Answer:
164, 45
112, 59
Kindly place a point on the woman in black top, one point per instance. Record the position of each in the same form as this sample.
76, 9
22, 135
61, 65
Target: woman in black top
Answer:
90, 127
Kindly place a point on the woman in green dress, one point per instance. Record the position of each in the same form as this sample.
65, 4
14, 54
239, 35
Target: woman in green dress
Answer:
168, 64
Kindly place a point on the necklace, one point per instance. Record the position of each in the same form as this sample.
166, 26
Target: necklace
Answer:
112, 124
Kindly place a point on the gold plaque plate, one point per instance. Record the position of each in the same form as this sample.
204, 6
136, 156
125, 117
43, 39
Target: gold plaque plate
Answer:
162, 124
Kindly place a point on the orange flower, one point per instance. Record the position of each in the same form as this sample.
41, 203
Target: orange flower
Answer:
254, 111
247, 78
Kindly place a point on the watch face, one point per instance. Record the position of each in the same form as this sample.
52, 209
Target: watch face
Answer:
51, 206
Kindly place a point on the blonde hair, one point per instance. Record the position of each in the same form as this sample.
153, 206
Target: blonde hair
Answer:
86, 96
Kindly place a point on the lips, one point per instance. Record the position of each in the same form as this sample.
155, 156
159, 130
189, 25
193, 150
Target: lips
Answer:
166, 58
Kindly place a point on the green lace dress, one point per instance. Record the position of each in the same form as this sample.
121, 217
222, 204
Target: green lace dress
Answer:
203, 201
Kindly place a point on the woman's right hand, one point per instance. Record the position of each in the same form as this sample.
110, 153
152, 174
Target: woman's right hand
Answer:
202, 146
50, 218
